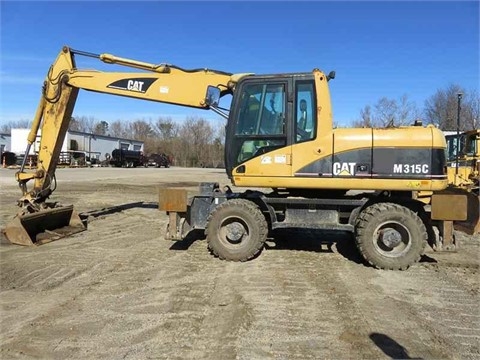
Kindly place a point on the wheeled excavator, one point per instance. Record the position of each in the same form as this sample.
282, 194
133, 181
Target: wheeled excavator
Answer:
280, 139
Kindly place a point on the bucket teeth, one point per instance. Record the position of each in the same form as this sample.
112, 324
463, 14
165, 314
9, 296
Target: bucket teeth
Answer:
44, 226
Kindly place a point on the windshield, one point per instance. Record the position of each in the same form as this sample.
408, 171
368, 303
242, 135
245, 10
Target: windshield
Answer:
260, 124
262, 110
454, 147
471, 143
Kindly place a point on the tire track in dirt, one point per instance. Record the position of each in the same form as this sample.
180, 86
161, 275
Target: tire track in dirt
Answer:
172, 307
86, 268
168, 308
457, 322
294, 318
435, 307
67, 258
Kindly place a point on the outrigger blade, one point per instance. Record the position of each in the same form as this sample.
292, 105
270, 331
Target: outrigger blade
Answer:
470, 226
44, 226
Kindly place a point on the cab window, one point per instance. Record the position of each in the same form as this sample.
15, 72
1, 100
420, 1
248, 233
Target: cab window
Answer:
260, 126
262, 110
305, 114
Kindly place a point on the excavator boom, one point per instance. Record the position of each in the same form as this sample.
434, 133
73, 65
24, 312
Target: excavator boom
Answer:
198, 88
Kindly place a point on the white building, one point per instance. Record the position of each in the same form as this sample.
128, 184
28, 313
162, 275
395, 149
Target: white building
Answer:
98, 146
5, 143
94, 146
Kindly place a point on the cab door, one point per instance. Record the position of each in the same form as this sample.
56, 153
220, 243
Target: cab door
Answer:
309, 142
258, 129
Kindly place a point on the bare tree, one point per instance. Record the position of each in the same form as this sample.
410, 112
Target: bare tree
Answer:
83, 124
166, 128
196, 136
140, 130
385, 112
74, 125
101, 128
472, 110
117, 129
407, 111
441, 108
365, 118
15, 124
388, 112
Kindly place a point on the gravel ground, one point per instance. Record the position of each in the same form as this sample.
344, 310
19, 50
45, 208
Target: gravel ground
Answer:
120, 291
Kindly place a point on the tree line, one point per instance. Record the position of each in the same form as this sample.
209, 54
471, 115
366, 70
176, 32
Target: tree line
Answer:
196, 142
440, 109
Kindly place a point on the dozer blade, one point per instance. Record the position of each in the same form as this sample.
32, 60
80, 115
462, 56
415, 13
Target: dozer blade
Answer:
472, 224
44, 226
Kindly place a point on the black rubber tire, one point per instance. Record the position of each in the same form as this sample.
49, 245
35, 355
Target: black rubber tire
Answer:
412, 236
246, 225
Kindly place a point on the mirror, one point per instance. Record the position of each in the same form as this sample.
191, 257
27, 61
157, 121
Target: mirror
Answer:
213, 96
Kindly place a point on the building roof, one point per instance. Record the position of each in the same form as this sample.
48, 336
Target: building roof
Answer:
102, 136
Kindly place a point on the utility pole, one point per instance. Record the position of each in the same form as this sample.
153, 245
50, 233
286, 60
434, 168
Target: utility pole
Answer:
459, 96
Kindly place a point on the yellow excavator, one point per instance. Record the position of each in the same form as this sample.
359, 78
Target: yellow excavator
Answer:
280, 137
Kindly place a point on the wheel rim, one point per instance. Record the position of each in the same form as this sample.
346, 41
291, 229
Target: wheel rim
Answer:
392, 239
233, 231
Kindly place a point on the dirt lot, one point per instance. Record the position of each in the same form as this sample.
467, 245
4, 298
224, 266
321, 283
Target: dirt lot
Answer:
120, 291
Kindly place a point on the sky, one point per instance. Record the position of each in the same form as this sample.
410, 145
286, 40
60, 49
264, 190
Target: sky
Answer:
378, 48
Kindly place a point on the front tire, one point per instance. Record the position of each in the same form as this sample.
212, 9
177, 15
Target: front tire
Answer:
390, 236
236, 230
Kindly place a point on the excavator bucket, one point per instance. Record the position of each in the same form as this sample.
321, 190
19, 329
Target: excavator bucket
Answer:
44, 226
472, 224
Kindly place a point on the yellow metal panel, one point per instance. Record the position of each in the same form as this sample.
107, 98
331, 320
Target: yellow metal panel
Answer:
307, 152
336, 183
403, 137
172, 200
352, 139
272, 164
449, 207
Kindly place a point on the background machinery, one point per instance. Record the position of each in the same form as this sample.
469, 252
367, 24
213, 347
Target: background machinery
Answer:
463, 167
463, 159
279, 138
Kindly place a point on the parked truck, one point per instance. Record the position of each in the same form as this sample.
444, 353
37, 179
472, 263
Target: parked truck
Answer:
127, 158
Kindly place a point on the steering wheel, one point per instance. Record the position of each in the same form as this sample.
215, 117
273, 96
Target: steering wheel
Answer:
302, 134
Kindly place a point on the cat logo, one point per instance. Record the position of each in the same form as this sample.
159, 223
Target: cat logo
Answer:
139, 85
344, 169
135, 85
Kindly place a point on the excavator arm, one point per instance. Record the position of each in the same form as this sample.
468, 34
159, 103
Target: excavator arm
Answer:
197, 88
161, 83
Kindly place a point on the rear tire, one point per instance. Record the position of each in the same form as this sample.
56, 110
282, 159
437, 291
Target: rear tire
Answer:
236, 230
390, 236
